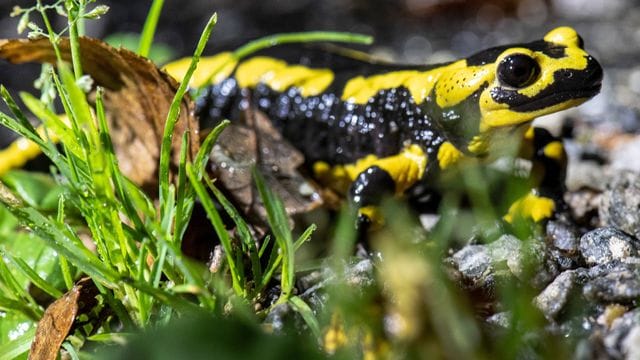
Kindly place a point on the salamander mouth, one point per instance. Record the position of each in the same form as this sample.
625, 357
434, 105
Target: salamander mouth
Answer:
556, 98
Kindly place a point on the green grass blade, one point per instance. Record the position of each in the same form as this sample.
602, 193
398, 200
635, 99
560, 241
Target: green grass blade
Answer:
80, 109
17, 347
15, 110
52, 122
149, 29
54, 234
301, 37
305, 236
31, 311
33, 276
174, 112
183, 192
307, 315
8, 282
279, 223
243, 231
237, 276
205, 148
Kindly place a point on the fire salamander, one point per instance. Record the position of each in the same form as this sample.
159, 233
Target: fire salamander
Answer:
370, 128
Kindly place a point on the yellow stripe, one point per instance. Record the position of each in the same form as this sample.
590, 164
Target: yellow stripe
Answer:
555, 150
405, 168
279, 76
210, 70
21, 151
420, 83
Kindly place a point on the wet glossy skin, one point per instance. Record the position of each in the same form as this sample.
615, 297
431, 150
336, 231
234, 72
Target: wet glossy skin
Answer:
369, 128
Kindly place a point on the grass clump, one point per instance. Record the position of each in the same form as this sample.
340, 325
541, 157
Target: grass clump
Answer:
138, 267
400, 306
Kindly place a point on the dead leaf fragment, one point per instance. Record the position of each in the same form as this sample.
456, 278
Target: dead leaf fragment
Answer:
137, 99
253, 141
57, 321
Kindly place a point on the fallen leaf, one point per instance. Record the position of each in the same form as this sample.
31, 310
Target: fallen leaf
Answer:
137, 99
57, 321
253, 141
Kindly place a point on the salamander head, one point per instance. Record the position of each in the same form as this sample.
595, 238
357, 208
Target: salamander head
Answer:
544, 77
511, 85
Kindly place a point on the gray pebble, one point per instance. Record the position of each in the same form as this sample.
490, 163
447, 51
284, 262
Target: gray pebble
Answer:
555, 296
621, 285
603, 245
563, 236
622, 340
620, 203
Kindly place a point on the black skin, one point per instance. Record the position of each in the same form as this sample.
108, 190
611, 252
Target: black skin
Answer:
325, 128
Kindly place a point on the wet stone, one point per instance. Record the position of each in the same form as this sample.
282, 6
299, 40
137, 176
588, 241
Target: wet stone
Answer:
502, 259
603, 245
563, 236
501, 319
621, 201
473, 261
620, 284
556, 295
622, 341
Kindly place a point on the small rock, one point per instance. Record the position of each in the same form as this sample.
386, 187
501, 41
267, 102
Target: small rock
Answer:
621, 341
473, 261
625, 155
360, 273
621, 201
564, 236
621, 285
603, 245
482, 266
278, 317
501, 319
555, 296
631, 343
584, 206
585, 174
610, 314
508, 248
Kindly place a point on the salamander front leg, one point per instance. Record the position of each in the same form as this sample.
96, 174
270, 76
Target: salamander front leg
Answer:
366, 193
549, 161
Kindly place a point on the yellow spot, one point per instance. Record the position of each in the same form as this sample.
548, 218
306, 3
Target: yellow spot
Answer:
555, 150
279, 76
374, 348
335, 336
335, 177
456, 85
374, 215
531, 206
530, 133
419, 83
405, 168
448, 155
210, 70
563, 35
479, 144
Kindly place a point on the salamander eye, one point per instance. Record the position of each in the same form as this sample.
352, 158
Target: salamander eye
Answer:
518, 70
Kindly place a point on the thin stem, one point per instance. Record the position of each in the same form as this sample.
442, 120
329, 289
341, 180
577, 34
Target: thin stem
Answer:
149, 29
301, 37
74, 38
174, 113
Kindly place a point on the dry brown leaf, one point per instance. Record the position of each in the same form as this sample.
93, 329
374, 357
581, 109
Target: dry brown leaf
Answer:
57, 321
253, 141
137, 99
